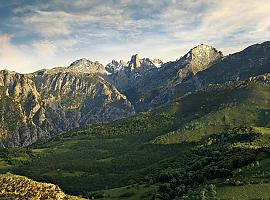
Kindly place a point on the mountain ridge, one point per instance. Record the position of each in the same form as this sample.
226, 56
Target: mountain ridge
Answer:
51, 101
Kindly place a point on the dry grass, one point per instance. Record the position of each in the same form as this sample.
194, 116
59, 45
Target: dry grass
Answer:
20, 187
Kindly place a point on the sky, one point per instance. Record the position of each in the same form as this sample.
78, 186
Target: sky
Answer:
36, 34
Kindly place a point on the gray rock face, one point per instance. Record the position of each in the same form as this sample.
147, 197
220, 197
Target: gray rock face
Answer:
125, 75
115, 66
198, 59
204, 67
156, 85
182, 74
252, 61
79, 66
41, 105
20, 103
86, 66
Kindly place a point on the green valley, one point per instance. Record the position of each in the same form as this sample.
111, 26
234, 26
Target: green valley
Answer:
202, 144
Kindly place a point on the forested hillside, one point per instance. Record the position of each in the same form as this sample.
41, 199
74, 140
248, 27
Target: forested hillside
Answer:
199, 145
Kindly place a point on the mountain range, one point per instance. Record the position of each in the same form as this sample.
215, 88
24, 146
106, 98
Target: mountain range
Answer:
48, 102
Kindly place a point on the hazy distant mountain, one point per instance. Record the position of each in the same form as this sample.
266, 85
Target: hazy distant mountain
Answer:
126, 74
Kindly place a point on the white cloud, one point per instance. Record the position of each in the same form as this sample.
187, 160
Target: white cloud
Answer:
10, 56
48, 23
36, 55
103, 30
44, 48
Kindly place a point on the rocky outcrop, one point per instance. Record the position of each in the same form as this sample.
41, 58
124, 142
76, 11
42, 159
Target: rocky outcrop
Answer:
87, 99
86, 66
20, 187
20, 102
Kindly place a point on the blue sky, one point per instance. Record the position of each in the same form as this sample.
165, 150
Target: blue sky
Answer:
37, 34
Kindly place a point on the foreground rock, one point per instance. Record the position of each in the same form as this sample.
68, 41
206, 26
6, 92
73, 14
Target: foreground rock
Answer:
20, 187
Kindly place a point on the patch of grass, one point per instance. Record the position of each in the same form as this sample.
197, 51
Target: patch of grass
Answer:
131, 192
246, 192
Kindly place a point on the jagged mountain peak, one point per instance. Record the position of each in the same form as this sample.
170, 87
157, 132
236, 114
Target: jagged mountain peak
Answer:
201, 51
157, 62
83, 62
115, 66
135, 62
198, 59
87, 66
7, 71
203, 46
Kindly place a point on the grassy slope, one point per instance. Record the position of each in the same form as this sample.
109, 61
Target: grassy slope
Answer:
251, 181
246, 106
258, 191
122, 153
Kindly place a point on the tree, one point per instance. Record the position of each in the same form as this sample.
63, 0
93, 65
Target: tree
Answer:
212, 193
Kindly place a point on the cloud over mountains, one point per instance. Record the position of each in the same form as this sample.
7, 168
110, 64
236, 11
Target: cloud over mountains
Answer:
34, 34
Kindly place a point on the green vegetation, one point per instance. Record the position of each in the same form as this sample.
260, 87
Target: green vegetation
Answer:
198, 147
93, 162
10, 115
216, 157
131, 192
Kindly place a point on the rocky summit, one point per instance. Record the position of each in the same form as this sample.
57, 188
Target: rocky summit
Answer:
86, 66
115, 66
79, 66
198, 59
126, 74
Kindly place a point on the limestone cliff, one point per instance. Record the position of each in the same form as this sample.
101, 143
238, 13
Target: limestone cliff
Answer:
46, 103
